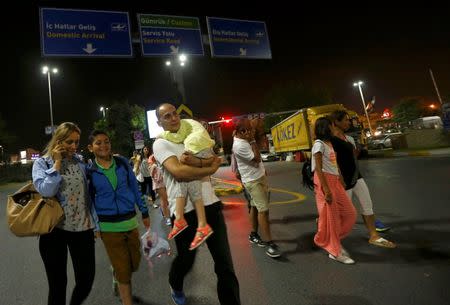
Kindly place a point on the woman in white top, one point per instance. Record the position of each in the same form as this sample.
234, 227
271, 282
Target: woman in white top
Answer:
337, 215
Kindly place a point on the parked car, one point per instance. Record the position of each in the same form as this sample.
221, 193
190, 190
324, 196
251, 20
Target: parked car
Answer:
393, 131
267, 156
378, 132
380, 142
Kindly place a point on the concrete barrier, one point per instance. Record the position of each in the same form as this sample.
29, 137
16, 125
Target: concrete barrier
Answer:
427, 138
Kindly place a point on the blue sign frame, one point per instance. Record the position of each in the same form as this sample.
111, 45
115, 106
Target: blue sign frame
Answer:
163, 37
238, 38
85, 33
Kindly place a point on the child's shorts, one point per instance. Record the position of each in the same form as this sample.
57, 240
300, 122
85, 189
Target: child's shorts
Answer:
192, 189
124, 251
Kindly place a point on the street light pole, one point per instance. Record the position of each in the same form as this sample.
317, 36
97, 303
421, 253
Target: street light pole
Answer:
182, 59
176, 74
436, 87
50, 98
46, 70
358, 84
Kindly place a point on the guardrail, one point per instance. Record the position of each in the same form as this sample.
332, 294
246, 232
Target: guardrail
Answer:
15, 172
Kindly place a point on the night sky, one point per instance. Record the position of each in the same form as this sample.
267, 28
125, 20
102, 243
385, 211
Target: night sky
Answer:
390, 48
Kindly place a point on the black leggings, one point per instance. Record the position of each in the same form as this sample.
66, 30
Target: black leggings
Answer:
53, 249
147, 187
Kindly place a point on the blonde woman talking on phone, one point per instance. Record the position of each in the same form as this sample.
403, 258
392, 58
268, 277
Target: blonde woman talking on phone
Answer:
61, 173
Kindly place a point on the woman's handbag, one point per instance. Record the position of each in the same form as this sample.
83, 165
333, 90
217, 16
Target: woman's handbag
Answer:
29, 214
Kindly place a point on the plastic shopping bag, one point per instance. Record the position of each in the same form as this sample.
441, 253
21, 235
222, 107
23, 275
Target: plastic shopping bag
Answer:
154, 248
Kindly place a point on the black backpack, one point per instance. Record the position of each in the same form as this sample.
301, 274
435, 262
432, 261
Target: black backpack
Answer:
308, 175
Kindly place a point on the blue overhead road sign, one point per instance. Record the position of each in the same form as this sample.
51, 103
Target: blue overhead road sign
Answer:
170, 35
238, 38
75, 33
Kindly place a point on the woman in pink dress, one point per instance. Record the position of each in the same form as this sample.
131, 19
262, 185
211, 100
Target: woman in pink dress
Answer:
337, 215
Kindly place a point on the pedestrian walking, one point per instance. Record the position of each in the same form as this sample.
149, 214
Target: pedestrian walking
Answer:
146, 185
253, 176
160, 188
115, 193
61, 173
337, 215
196, 141
345, 149
177, 166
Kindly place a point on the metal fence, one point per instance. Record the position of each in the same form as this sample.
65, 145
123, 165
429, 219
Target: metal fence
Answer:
15, 172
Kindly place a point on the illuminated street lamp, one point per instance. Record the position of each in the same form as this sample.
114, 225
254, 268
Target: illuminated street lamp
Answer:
358, 84
432, 106
103, 111
48, 71
176, 74
182, 58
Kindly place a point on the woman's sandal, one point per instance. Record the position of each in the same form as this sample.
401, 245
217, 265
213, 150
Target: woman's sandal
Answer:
382, 242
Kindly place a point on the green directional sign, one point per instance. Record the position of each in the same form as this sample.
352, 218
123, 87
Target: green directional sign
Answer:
170, 35
168, 21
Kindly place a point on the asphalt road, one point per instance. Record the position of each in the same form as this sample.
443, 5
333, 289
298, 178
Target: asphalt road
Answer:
410, 194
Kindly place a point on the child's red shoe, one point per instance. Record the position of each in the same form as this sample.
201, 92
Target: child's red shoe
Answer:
178, 227
202, 234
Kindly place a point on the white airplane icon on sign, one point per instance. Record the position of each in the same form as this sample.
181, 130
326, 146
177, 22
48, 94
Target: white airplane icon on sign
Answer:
118, 27
174, 49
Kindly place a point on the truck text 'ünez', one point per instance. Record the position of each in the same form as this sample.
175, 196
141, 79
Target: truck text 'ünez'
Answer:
286, 133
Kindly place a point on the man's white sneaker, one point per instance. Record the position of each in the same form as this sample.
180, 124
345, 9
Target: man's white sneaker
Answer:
342, 259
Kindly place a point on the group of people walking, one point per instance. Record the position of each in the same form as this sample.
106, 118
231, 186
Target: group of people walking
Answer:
336, 179
99, 200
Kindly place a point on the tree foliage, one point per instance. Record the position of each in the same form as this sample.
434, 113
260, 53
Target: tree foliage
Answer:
292, 96
121, 120
295, 95
119, 127
101, 124
408, 109
138, 121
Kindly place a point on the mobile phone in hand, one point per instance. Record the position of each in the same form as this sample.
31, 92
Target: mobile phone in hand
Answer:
64, 152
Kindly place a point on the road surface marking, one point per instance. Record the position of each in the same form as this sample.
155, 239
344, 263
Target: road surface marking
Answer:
298, 196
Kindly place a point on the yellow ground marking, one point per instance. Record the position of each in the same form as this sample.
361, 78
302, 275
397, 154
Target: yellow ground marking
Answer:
298, 196
228, 191
237, 188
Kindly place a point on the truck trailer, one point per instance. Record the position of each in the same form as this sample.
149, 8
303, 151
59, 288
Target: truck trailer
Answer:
296, 133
